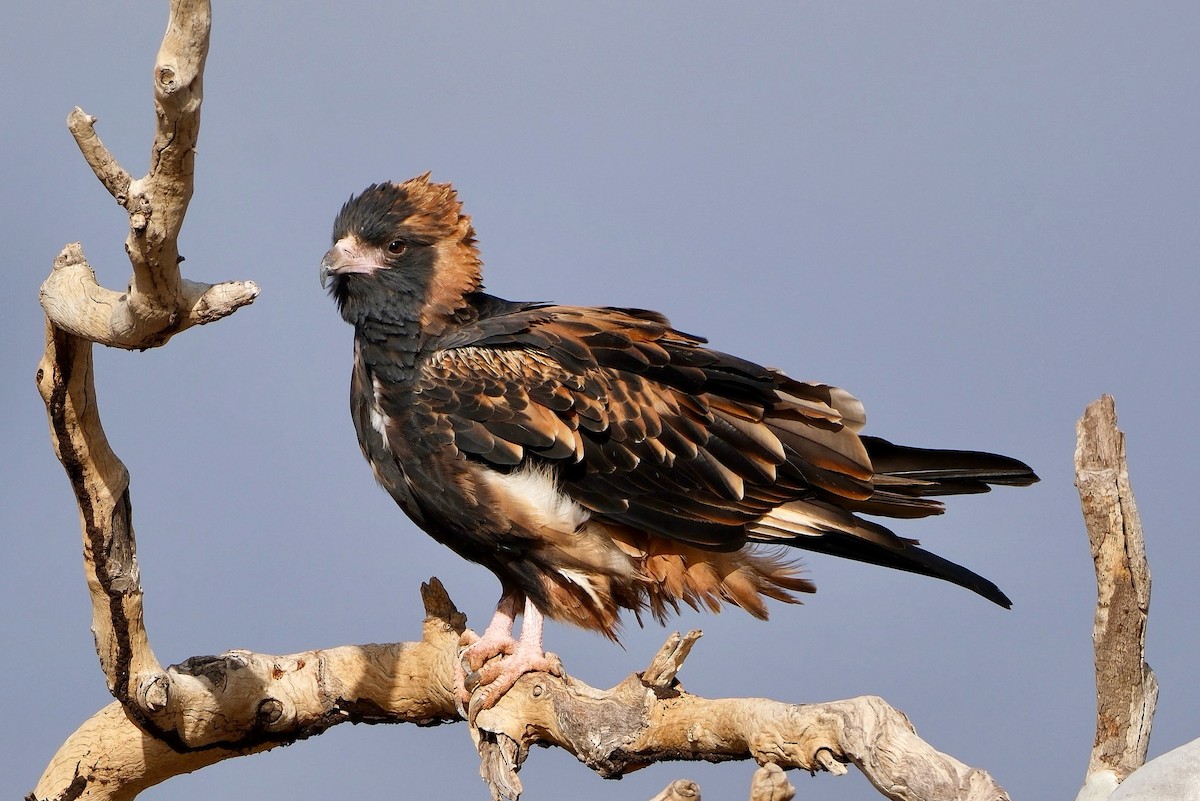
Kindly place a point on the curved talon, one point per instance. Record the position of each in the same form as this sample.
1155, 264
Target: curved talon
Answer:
477, 704
498, 677
497, 640
489, 667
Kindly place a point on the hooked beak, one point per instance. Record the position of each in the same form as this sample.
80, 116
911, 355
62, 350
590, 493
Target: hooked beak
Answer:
346, 257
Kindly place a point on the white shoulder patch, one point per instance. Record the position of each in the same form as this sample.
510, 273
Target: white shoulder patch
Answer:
379, 420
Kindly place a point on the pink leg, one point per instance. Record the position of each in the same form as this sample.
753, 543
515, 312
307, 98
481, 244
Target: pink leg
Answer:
518, 658
497, 640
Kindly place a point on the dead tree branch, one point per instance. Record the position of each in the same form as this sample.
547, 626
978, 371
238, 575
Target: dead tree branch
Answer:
1126, 689
646, 720
241, 703
157, 304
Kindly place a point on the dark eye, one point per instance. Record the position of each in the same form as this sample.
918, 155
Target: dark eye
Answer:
397, 246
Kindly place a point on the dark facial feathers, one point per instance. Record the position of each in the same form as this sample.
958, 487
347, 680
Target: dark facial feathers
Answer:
402, 251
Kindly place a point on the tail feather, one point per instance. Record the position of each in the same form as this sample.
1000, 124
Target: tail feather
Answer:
909, 558
925, 471
906, 484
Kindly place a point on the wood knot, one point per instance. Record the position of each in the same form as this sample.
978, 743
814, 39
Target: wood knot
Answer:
138, 220
166, 79
155, 693
270, 710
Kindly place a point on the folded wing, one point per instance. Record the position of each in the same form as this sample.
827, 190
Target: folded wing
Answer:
647, 427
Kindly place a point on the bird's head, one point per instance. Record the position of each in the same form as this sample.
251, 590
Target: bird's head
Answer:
402, 251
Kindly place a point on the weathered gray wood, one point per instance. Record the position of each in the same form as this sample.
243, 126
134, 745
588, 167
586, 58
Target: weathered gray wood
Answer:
679, 790
637, 723
1126, 689
158, 302
241, 703
771, 784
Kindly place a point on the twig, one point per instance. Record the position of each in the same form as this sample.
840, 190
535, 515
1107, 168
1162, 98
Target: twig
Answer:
114, 177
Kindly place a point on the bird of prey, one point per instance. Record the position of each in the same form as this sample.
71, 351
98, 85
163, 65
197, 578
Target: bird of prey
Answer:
596, 459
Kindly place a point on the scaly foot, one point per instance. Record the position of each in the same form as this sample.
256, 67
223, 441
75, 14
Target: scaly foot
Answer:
497, 640
490, 677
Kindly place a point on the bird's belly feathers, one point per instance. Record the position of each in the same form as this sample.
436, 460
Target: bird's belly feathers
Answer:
554, 530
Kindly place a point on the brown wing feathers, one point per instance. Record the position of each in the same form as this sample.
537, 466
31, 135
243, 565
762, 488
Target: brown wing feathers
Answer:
651, 429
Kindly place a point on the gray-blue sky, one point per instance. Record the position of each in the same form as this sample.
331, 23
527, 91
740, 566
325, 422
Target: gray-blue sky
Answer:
975, 217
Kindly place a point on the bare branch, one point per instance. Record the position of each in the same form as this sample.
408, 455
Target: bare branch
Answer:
160, 200
75, 302
633, 725
101, 485
669, 660
158, 303
243, 703
1126, 689
114, 177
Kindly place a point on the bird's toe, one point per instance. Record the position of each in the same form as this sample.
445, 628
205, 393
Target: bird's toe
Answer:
496, 678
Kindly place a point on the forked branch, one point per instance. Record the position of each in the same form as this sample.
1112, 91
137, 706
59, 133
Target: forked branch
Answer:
157, 304
241, 703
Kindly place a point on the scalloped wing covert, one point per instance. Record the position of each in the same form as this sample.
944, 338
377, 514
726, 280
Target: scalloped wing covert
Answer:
642, 423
